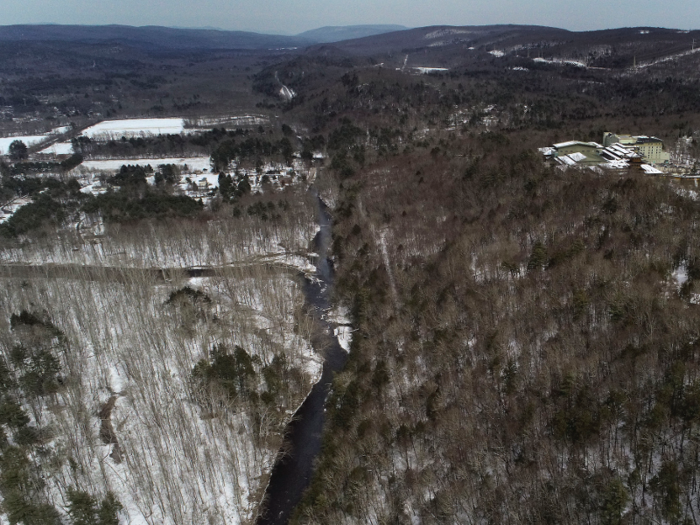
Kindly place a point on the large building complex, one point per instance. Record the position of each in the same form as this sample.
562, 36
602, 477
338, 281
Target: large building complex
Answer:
650, 148
618, 152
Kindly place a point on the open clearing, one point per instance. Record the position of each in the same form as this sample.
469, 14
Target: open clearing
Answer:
135, 128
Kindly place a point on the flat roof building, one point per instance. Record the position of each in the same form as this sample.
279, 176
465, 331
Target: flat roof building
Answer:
615, 156
585, 153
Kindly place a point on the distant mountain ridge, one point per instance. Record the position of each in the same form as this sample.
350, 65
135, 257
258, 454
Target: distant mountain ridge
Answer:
187, 38
446, 45
330, 34
151, 37
441, 45
441, 36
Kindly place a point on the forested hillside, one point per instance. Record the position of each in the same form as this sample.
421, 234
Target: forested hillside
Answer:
135, 391
526, 337
526, 347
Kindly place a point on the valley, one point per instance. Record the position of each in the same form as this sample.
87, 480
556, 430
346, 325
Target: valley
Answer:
258, 279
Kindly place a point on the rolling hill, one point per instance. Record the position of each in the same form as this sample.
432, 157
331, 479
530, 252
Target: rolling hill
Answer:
150, 37
339, 33
447, 45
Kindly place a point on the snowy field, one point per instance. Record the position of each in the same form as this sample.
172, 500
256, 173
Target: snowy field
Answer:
110, 129
116, 129
30, 140
61, 148
193, 163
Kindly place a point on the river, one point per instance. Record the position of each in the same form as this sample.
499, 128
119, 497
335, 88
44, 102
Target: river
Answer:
292, 472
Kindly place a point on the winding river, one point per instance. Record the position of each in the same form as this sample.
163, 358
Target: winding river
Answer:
292, 471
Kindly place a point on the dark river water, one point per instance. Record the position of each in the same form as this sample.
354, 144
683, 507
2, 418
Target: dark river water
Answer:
292, 472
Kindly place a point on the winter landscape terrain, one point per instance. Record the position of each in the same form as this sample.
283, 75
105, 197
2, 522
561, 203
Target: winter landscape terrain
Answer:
223, 254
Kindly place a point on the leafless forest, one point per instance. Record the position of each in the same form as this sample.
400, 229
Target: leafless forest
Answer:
526, 348
100, 351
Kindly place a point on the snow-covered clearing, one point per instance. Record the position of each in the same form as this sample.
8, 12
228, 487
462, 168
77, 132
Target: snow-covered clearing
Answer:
193, 163
680, 275
287, 93
387, 263
60, 148
439, 33
110, 129
30, 140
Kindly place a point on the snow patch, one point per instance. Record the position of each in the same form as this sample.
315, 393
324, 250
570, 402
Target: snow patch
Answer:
445, 32
344, 335
426, 70
287, 93
560, 61
9, 209
680, 275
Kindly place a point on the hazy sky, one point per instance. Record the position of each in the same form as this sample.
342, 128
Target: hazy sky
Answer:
291, 17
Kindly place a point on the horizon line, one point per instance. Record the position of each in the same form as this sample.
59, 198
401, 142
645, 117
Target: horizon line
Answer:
405, 28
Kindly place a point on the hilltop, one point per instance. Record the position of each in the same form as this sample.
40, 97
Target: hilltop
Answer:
338, 33
149, 37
